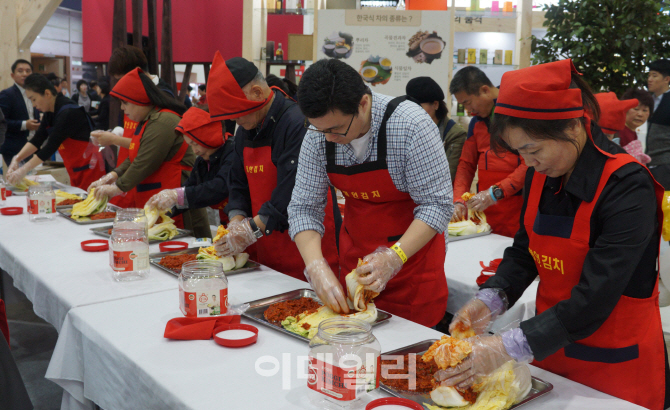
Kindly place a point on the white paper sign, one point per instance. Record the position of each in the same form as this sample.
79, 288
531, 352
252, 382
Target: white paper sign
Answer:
388, 48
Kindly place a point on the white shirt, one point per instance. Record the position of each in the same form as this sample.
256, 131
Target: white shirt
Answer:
29, 107
360, 146
658, 99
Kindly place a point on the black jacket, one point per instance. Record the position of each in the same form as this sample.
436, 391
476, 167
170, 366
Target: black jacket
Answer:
102, 120
623, 248
284, 135
14, 108
207, 186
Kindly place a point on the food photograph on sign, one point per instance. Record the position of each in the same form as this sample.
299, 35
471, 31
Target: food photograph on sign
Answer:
338, 45
376, 70
424, 47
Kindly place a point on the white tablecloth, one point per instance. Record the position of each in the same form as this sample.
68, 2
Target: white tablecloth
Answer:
47, 264
462, 269
114, 354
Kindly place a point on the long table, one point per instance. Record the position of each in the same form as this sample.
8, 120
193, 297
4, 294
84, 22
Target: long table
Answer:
111, 350
47, 264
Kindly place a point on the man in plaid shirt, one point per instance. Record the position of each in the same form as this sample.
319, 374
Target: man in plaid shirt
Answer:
386, 157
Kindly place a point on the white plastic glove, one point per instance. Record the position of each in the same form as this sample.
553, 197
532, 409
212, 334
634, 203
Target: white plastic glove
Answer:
325, 284
104, 180
163, 200
16, 176
460, 212
103, 138
473, 315
481, 201
14, 165
382, 265
239, 237
488, 354
107, 191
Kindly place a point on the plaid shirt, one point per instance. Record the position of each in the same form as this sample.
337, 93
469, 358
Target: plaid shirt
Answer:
416, 162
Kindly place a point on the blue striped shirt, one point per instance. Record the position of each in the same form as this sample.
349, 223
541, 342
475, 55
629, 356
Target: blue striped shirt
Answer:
416, 162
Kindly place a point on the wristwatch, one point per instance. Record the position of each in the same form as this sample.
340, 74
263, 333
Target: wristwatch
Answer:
256, 230
497, 192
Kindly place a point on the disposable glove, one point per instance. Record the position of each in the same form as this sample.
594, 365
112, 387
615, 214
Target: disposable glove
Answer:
481, 201
325, 284
14, 165
239, 237
17, 175
104, 180
380, 267
460, 212
474, 315
163, 200
107, 191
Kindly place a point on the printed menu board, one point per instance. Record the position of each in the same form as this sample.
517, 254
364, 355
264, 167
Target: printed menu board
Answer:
387, 47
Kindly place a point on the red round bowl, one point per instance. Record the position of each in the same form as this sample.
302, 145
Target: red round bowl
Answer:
95, 245
173, 246
394, 401
12, 210
236, 342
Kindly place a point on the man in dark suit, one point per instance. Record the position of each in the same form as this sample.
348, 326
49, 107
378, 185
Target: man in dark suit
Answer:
658, 133
22, 118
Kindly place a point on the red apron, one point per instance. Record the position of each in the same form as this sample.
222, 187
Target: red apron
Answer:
277, 250
625, 357
377, 214
76, 163
4, 326
127, 200
220, 207
167, 176
504, 216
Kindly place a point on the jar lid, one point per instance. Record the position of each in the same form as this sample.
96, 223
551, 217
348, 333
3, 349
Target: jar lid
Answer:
8, 192
393, 401
95, 245
235, 339
173, 246
12, 210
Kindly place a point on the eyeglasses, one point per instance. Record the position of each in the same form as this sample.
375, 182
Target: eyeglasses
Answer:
309, 127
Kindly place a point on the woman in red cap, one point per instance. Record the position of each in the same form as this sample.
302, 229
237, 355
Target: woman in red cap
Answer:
158, 157
590, 229
207, 184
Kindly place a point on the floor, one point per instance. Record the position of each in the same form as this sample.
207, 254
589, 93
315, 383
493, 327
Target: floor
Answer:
33, 341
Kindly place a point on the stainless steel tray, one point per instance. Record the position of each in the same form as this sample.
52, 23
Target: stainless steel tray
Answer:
102, 231
82, 196
154, 258
67, 212
474, 235
257, 309
538, 387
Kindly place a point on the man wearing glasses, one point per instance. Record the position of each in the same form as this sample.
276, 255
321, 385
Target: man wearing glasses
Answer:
385, 154
267, 145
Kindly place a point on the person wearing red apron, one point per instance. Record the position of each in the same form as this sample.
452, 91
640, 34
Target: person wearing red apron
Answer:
591, 232
373, 148
158, 169
66, 128
262, 175
206, 186
500, 175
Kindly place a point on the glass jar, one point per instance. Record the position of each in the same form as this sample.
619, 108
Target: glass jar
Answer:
131, 219
129, 254
344, 364
41, 203
203, 289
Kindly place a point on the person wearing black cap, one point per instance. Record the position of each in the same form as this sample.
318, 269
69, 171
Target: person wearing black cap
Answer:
429, 95
265, 161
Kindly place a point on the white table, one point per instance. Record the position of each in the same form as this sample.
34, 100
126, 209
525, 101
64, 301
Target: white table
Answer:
47, 264
114, 354
462, 268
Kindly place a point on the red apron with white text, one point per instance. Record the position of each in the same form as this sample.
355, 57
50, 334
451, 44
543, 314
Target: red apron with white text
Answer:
277, 250
77, 164
625, 357
168, 176
378, 214
127, 200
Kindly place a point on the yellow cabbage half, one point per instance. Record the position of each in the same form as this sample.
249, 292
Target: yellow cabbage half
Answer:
89, 206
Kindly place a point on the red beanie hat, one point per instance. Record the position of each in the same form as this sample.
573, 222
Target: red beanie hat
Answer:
224, 93
613, 112
130, 89
197, 125
540, 92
